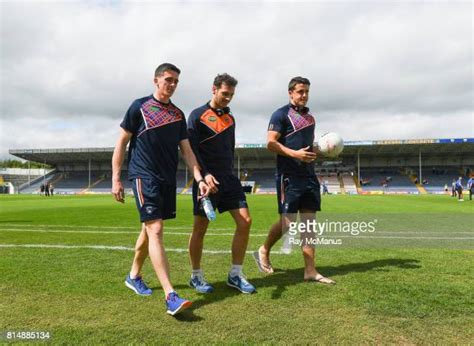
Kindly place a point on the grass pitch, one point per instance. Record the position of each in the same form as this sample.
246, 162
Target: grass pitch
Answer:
408, 282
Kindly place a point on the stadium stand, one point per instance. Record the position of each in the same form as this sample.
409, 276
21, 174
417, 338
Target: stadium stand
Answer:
76, 181
349, 184
332, 182
440, 160
387, 180
435, 179
17, 180
22, 179
181, 180
264, 180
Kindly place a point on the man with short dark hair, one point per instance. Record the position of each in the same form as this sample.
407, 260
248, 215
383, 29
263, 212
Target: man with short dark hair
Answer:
161, 69
291, 137
211, 129
155, 128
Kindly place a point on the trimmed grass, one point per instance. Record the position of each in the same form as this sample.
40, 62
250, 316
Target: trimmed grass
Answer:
413, 290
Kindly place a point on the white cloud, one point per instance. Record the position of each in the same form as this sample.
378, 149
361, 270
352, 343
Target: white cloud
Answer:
69, 70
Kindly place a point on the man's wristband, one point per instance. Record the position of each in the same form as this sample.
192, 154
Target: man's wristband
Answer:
201, 181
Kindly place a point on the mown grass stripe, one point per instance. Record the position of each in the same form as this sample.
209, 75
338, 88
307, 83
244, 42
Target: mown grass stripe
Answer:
106, 247
328, 236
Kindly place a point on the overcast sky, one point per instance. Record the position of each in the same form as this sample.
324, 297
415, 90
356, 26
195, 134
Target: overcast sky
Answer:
69, 70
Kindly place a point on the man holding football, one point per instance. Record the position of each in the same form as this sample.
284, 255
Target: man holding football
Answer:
291, 136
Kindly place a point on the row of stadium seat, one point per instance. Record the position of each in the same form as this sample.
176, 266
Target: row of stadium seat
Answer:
375, 179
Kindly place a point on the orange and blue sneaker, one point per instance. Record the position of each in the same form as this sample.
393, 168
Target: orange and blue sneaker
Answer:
175, 304
240, 283
138, 286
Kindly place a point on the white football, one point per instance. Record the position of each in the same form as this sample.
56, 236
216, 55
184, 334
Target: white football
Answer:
330, 144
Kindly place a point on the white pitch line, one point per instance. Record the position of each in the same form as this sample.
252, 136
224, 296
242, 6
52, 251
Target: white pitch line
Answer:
328, 236
112, 227
105, 247
112, 232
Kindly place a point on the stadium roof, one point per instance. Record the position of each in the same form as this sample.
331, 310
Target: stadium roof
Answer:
461, 146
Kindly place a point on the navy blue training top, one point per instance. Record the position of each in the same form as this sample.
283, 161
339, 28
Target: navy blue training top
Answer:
212, 137
296, 127
157, 129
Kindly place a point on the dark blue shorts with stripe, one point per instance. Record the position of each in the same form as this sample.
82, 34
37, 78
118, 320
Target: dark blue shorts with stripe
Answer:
155, 200
296, 193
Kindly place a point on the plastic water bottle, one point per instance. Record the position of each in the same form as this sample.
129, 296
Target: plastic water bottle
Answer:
208, 208
285, 245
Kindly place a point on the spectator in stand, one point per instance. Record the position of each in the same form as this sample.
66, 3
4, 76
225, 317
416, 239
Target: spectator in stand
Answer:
445, 187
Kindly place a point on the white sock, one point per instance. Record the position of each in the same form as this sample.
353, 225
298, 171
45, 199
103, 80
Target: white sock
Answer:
235, 270
197, 272
133, 277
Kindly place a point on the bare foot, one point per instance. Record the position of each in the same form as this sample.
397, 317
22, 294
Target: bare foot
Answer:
263, 261
318, 278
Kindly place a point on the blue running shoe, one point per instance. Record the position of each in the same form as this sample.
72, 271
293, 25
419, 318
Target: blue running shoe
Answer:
138, 286
175, 304
200, 284
240, 282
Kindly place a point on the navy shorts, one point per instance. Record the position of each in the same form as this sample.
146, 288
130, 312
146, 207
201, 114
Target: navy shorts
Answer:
295, 193
229, 197
155, 200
